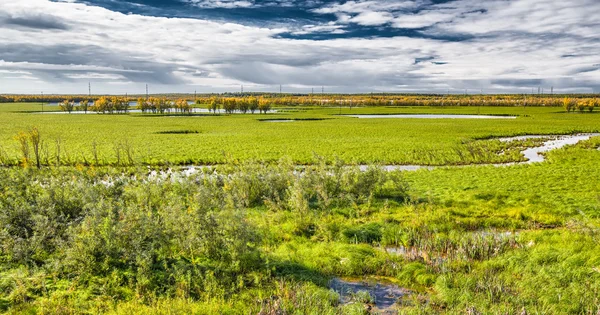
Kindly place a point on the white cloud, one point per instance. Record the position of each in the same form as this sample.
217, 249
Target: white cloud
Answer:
228, 4
514, 45
372, 18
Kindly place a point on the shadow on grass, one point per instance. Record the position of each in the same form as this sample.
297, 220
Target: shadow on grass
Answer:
295, 271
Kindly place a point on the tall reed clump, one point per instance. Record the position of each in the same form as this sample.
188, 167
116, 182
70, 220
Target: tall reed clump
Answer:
30, 142
283, 186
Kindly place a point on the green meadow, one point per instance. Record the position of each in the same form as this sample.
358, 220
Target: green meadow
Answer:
214, 139
110, 225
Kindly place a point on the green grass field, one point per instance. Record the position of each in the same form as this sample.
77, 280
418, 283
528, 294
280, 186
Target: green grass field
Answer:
156, 139
256, 238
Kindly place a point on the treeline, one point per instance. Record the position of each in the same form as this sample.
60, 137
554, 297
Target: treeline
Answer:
251, 102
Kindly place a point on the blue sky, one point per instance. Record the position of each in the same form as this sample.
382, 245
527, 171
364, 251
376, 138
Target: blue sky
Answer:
423, 46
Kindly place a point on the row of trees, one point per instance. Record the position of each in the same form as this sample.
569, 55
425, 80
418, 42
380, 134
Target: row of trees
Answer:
242, 105
158, 105
163, 105
70, 105
582, 105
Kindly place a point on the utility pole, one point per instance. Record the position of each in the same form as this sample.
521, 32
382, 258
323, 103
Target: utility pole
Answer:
280, 89
194, 95
242, 89
90, 89
146, 91
552, 90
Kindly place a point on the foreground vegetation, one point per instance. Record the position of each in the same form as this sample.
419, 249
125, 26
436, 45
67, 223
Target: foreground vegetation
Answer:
250, 238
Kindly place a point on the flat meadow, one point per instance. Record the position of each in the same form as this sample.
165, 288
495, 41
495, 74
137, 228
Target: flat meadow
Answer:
115, 222
213, 139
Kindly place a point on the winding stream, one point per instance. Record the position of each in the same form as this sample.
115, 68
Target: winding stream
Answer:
533, 155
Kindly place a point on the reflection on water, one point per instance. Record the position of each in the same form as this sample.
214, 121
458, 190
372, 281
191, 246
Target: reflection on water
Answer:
384, 295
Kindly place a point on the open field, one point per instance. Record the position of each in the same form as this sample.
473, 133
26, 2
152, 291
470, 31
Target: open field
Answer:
214, 139
243, 237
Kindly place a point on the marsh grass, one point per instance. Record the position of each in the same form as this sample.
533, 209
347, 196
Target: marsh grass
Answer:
365, 141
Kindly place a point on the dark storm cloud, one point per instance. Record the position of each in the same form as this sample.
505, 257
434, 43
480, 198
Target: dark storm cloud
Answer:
39, 22
60, 61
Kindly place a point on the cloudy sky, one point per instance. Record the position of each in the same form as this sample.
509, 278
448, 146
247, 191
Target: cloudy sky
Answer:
346, 46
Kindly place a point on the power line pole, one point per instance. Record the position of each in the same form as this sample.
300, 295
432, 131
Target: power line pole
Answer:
90, 89
280, 89
146, 91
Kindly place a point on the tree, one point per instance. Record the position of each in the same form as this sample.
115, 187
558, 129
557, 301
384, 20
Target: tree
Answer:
183, 106
67, 106
84, 106
253, 104
229, 105
581, 105
264, 105
142, 105
592, 103
101, 105
568, 104
214, 105
243, 105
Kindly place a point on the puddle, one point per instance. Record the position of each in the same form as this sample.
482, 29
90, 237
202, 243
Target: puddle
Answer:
410, 253
391, 168
384, 295
278, 120
432, 116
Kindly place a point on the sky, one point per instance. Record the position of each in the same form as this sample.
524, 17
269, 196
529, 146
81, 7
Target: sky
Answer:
359, 46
